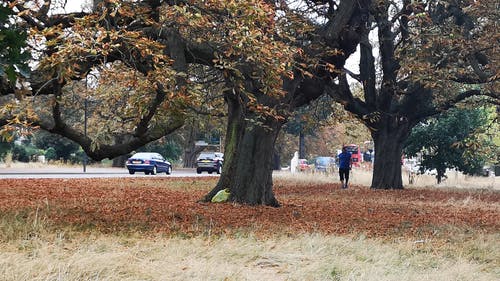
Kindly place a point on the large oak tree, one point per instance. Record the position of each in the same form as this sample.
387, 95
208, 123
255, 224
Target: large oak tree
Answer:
431, 55
137, 56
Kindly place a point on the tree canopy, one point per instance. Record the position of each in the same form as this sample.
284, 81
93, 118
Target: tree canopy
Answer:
456, 139
13, 53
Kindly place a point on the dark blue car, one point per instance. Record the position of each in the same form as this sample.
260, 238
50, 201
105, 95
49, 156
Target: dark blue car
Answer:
149, 163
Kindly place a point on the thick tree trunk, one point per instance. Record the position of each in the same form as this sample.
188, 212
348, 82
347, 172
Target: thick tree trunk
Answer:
248, 162
388, 143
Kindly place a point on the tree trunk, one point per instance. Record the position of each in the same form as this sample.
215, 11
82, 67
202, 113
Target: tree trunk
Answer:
441, 174
276, 160
302, 145
190, 156
248, 162
388, 141
119, 162
191, 151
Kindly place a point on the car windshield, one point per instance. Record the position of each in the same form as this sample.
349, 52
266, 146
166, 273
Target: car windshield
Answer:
143, 155
207, 155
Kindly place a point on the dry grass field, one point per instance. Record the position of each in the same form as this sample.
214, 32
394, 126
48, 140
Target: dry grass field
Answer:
154, 229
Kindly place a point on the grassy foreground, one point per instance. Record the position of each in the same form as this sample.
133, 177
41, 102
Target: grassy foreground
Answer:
302, 257
39, 239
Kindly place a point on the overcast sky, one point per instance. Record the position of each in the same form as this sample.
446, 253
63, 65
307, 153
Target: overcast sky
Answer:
73, 6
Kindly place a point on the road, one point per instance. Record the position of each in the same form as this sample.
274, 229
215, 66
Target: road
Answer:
91, 172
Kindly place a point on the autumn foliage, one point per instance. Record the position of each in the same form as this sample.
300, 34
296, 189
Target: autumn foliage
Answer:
171, 206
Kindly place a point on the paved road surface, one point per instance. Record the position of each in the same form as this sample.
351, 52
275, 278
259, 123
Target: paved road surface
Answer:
91, 172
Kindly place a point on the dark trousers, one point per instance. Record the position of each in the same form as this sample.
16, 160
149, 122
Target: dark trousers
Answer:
344, 174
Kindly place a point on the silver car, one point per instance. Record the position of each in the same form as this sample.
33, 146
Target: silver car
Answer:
210, 162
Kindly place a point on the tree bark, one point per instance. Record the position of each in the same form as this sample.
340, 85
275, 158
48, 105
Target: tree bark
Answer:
191, 151
190, 155
119, 162
302, 145
441, 174
248, 162
276, 160
388, 141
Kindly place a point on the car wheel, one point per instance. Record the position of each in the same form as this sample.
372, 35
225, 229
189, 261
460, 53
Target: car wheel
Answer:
169, 170
146, 172
198, 171
131, 172
153, 172
219, 169
210, 172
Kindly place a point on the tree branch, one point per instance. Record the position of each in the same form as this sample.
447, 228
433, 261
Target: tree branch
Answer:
451, 102
389, 64
367, 71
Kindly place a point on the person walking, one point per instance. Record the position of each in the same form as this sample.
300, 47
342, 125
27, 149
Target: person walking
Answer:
345, 165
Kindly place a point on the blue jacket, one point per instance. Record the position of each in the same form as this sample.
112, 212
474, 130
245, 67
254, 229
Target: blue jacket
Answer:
344, 160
